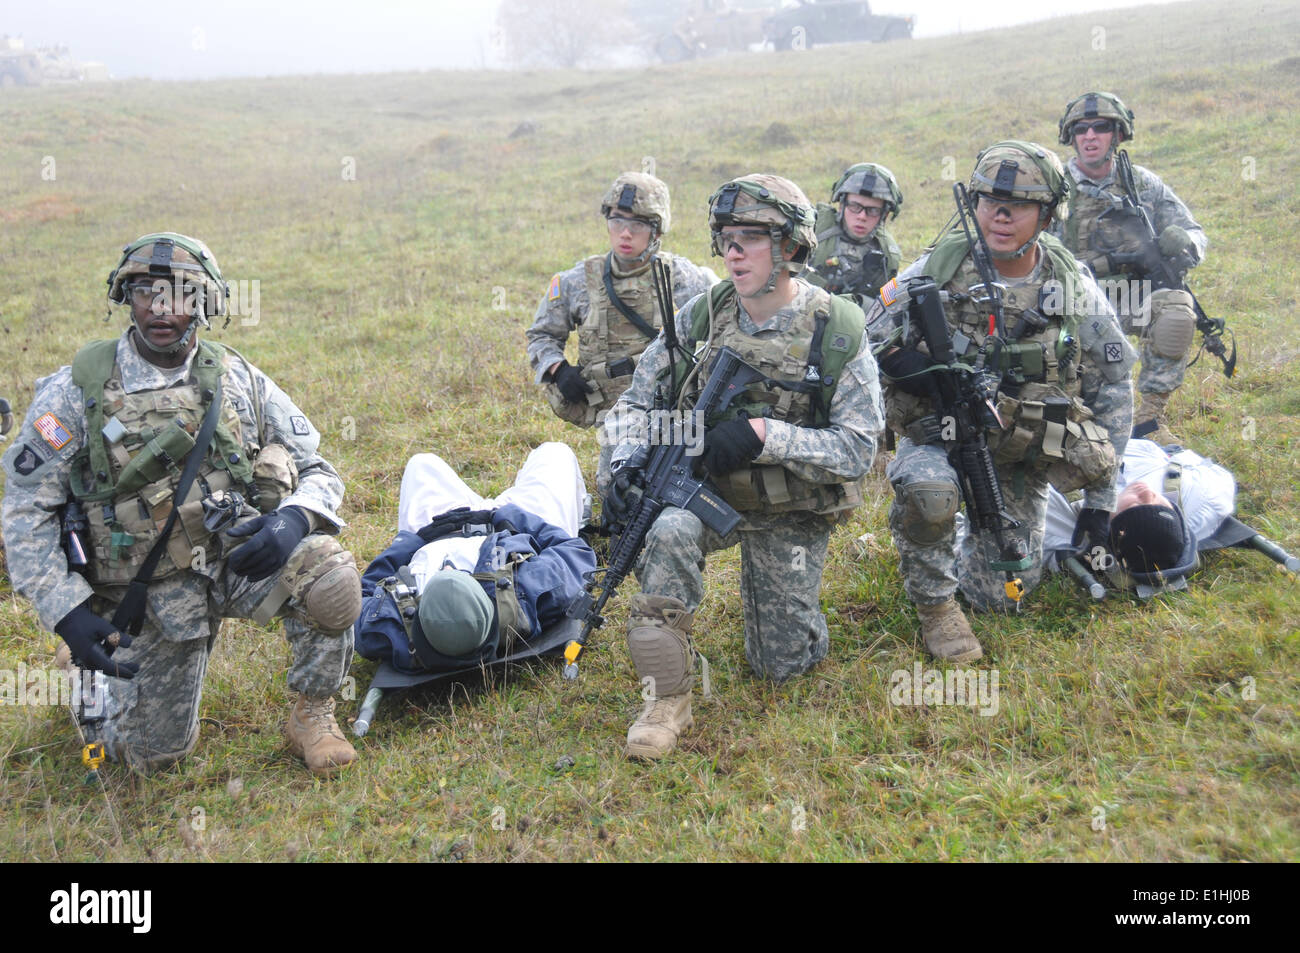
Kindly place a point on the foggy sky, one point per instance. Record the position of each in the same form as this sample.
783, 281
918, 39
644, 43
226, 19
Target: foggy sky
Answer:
263, 37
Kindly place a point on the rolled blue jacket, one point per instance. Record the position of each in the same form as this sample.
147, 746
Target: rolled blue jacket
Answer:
544, 584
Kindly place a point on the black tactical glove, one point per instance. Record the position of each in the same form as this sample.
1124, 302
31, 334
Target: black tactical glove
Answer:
625, 483
1091, 529
904, 368
571, 383
729, 446
92, 640
274, 537
1176, 245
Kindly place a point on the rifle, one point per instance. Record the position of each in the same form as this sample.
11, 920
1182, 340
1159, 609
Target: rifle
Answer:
966, 410
982, 258
669, 481
1162, 274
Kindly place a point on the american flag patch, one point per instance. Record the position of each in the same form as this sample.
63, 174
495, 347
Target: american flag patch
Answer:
553, 289
55, 434
889, 293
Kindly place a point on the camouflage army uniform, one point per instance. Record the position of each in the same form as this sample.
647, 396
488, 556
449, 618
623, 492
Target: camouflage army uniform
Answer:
605, 335
152, 720
782, 552
844, 266
935, 558
1162, 370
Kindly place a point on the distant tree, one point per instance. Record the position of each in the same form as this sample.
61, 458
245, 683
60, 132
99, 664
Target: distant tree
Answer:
564, 33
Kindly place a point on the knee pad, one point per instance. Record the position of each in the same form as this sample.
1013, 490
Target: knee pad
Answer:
928, 510
322, 581
1173, 324
659, 641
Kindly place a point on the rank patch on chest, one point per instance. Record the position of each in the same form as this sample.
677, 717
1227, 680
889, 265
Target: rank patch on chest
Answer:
55, 434
1114, 352
300, 426
553, 289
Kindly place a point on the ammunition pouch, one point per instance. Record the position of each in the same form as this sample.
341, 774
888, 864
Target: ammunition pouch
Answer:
123, 531
160, 457
608, 380
774, 489
275, 475
1051, 432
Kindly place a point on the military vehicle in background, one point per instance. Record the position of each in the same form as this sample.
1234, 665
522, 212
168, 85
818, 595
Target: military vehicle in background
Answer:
833, 21
20, 66
713, 26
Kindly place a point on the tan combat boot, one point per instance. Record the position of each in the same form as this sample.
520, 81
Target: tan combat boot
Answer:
947, 634
1152, 410
315, 736
659, 641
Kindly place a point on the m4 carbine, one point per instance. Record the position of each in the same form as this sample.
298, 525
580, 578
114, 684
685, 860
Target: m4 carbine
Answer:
966, 409
1154, 267
669, 481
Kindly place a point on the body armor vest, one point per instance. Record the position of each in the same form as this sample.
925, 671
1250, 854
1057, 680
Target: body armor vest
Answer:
782, 357
1090, 236
609, 345
844, 267
1038, 395
146, 450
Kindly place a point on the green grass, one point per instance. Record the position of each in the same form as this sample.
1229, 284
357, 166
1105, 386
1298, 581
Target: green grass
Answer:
379, 316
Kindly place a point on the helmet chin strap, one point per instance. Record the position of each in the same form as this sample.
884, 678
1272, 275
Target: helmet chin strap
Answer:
651, 249
181, 343
779, 264
1018, 253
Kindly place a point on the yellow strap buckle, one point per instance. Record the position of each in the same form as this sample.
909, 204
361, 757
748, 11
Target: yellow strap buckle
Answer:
1014, 589
92, 755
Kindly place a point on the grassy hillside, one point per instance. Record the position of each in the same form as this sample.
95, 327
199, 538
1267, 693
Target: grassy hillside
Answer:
393, 308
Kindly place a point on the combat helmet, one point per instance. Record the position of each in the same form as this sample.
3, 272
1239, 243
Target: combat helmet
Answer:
1015, 169
869, 178
640, 195
769, 200
1096, 105
185, 266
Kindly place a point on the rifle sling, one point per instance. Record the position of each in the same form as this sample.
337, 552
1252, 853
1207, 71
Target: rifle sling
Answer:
130, 612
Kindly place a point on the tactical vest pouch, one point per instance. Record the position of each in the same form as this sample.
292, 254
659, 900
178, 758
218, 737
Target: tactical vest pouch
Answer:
902, 409
775, 489
158, 458
583, 414
275, 475
1088, 459
1049, 431
610, 380
188, 535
